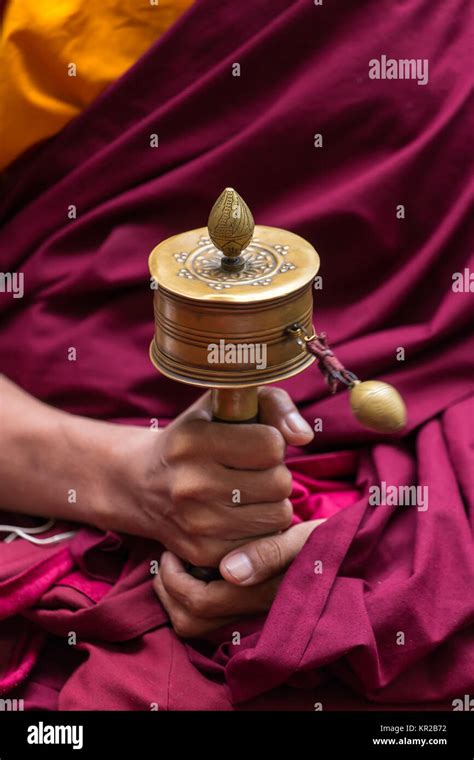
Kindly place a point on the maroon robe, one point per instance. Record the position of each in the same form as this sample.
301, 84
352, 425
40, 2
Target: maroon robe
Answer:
332, 638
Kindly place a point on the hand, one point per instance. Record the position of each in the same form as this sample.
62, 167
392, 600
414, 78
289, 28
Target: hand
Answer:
174, 486
252, 575
183, 482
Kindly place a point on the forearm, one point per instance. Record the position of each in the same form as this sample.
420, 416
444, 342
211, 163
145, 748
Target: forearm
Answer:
55, 464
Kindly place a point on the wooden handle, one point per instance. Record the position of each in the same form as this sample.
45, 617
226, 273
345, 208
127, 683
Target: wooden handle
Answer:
237, 405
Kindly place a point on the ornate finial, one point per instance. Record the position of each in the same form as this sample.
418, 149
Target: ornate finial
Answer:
231, 228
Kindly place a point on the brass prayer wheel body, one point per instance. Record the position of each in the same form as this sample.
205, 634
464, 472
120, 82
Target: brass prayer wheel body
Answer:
228, 327
233, 308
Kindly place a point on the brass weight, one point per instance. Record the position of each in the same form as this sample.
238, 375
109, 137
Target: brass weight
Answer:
227, 295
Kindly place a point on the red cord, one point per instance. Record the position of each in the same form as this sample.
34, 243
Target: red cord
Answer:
331, 368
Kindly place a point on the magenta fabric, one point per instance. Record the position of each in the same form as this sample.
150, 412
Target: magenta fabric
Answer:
25, 589
387, 284
93, 597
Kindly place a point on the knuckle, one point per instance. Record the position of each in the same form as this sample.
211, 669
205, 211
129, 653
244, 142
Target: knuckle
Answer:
191, 485
182, 492
274, 444
278, 394
182, 624
195, 604
203, 527
178, 446
285, 515
269, 552
275, 517
200, 554
217, 435
184, 442
196, 522
282, 481
271, 394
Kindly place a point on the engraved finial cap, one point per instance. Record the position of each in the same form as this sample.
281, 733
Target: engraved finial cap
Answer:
230, 225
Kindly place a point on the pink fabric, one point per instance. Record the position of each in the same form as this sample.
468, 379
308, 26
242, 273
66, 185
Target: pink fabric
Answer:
20, 647
25, 589
329, 637
87, 601
321, 497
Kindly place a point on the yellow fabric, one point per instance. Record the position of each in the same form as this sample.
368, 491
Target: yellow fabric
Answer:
41, 38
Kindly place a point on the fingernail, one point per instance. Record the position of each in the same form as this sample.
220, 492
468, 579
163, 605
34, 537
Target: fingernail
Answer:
297, 424
239, 566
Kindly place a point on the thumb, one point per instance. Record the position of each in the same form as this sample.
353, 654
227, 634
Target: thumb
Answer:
198, 410
266, 557
276, 408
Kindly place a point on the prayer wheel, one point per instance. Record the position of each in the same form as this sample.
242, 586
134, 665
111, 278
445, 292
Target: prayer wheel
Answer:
233, 310
222, 319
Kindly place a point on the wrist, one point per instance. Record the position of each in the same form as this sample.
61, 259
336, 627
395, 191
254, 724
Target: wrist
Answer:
58, 465
125, 453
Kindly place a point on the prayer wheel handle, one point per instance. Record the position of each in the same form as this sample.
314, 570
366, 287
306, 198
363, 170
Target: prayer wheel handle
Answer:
237, 405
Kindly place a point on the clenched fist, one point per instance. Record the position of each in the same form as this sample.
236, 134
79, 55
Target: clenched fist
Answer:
203, 488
